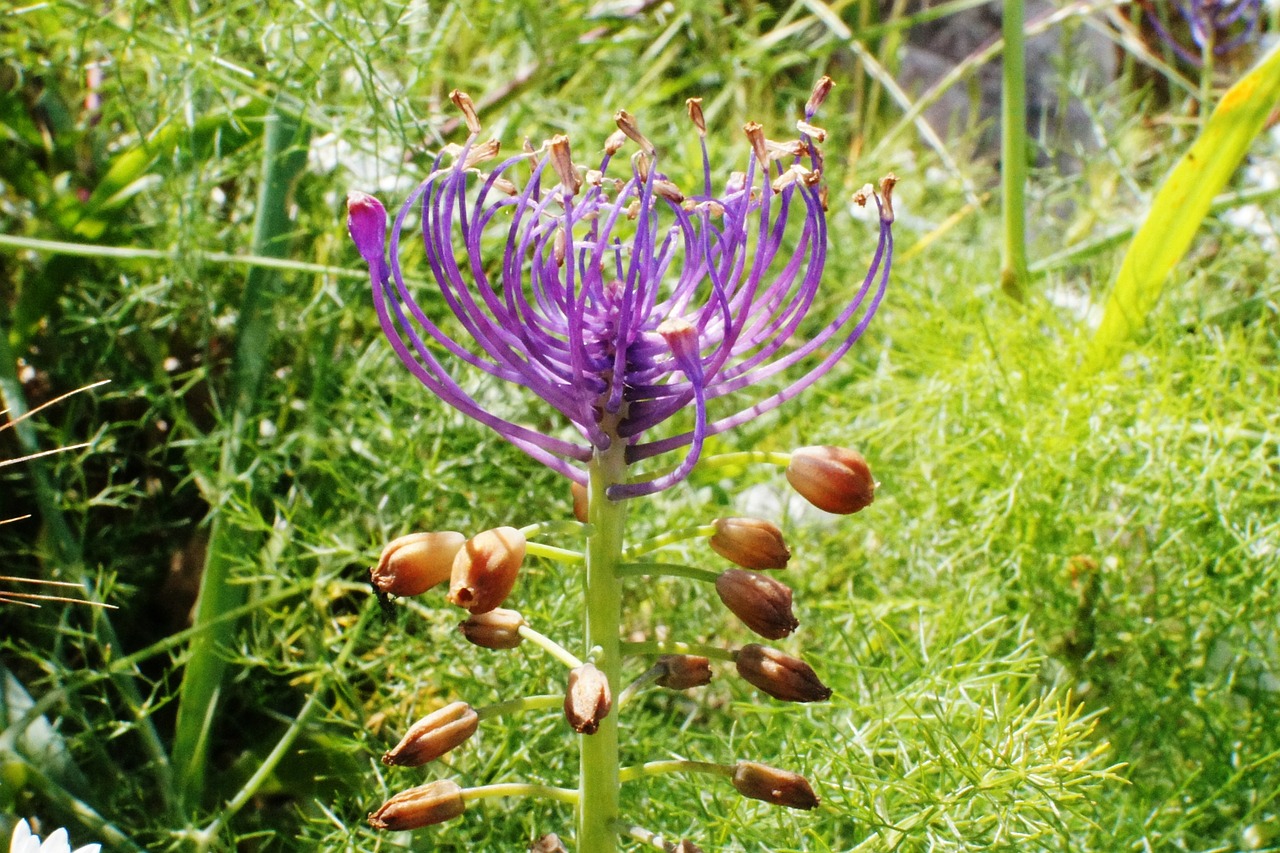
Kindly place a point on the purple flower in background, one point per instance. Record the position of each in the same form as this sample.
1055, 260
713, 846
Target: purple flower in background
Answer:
1218, 25
620, 301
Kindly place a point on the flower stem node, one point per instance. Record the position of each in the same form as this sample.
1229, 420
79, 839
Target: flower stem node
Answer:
780, 675
411, 565
834, 479
779, 787
425, 805
496, 629
752, 543
682, 672
588, 699
762, 603
485, 568
434, 735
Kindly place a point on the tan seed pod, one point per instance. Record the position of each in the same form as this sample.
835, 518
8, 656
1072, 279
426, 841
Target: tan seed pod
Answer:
588, 699
485, 569
496, 629
682, 672
779, 787
780, 675
762, 603
434, 735
422, 806
411, 565
834, 479
752, 543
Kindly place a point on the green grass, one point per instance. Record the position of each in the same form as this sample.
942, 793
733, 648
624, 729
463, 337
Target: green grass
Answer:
985, 696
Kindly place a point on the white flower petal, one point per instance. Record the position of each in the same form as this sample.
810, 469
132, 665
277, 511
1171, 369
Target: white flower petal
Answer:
56, 843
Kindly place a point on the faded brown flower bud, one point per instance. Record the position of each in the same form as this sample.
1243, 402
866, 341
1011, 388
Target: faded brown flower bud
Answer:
422, 806
627, 124
780, 787
588, 699
752, 543
485, 568
681, 672
762, 603
434, 735
694, 105
549, 843
819, 94
495, 629
579, 493
755, 133
411, 565
834, 479
463, 102
781, 676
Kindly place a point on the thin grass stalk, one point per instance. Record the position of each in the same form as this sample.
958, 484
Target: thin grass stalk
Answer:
284, 157
1013, 152
69, 556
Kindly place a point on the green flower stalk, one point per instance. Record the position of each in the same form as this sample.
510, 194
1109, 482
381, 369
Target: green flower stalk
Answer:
621, 300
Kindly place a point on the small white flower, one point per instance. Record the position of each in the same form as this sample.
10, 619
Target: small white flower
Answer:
24, 841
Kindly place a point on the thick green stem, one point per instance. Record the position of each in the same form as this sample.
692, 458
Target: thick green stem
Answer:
1013, 154
598, 780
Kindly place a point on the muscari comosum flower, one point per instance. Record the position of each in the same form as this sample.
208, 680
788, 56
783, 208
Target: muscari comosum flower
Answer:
620, 301
1220, 26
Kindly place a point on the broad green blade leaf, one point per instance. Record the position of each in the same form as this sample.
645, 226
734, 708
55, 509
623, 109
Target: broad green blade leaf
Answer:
1182, 203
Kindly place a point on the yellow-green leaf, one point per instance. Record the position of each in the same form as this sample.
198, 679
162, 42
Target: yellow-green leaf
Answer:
1182, 203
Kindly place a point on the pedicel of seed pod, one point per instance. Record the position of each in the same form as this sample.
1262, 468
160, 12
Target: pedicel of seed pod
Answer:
434, 735
834, 479
780, 675
779, 787
422, 806
752, 543
682, 672
762, 603
485, 569
579, 493
411, 565
588, 699
497, 629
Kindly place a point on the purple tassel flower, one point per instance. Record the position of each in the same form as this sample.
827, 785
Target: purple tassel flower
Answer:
619, 300
1221, 25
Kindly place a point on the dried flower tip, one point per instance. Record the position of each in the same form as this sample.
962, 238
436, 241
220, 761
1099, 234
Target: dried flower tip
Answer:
562, 162
595, 177
558, 247
588, 699
694, 105
887, 183
549, 843
752, 543
755, 133
795, 173
863, 195
633, 209
714, 209
781, 676
668, 190
367, 224
627, 124
683, 672
680, 336
641, 165
411, 565
463, 102
819, 94
580, 507
779, 787
790, 148
497, 629
434, 735
422, 806
817, 133
505, 186
834, 479
762, 603
482, 153
614, 143
485, 568
822, 197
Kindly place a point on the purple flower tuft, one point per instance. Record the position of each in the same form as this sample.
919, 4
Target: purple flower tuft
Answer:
1219, 25
620, 300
